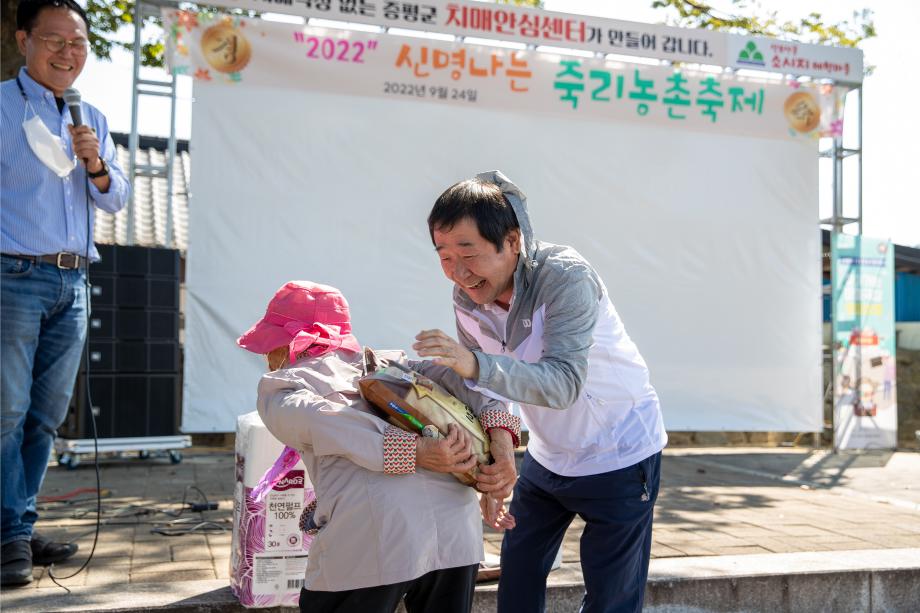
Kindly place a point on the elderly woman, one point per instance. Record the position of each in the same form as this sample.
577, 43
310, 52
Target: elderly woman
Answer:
390, 521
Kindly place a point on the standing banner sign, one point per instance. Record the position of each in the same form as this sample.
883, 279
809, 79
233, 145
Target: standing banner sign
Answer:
244, 52
865, 395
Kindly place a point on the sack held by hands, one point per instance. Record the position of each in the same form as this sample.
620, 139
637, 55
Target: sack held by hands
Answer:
415, 403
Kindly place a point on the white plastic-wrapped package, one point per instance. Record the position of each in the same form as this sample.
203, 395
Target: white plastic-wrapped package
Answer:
269, 551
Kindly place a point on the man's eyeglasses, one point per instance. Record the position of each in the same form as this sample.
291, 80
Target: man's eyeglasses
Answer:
56, 44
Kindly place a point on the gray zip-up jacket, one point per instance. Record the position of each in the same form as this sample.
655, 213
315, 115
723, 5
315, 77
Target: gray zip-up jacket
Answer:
562, 352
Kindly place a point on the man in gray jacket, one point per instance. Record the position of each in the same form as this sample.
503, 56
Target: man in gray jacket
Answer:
537, 327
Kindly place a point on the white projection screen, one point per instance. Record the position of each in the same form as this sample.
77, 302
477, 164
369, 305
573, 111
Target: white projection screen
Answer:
708, 244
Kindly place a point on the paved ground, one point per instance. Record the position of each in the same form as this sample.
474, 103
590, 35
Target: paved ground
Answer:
729, 502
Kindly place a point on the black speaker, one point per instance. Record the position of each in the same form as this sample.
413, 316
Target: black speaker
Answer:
160, 325
109, 290
164, 262
137, 261
133, 356
163, 293
134, 352
106, 262
102, 289
132, 261
107, 322
134, 292
102, 323
125, 406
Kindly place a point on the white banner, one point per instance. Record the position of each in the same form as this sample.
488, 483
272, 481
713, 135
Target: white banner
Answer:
597, 34
243, 52
708, 245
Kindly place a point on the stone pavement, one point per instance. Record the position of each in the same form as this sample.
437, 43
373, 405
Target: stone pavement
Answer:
743, 514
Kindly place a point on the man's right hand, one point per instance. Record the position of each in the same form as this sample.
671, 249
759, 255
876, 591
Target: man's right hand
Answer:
452, 454
495, 514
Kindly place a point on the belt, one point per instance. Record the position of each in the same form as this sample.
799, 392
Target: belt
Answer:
67, 261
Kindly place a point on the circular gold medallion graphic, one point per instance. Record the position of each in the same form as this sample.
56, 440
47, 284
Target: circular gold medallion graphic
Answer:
802, 112
225, 48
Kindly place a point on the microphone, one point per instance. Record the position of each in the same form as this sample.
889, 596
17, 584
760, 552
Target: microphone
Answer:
72, 100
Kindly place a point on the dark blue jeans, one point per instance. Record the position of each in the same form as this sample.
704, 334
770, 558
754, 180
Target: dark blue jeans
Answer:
615, 546
42, 330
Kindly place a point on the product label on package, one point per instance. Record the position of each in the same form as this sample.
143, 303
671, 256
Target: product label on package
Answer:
283, 506
273, 574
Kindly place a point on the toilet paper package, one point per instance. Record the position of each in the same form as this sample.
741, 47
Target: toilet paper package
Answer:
269, 551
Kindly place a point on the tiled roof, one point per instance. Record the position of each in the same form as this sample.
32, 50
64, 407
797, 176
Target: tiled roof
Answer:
149, 201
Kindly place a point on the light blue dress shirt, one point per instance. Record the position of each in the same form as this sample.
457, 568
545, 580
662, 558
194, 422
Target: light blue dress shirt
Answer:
41, 213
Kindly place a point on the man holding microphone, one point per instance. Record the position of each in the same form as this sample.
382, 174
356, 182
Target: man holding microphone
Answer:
52, 174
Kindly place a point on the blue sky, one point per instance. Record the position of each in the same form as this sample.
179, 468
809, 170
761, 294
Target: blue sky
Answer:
890, 129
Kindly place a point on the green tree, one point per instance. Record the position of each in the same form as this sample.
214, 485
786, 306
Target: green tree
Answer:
106, 19
749, 17
109, 21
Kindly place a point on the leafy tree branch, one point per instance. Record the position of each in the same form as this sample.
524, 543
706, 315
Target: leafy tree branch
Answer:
749, 17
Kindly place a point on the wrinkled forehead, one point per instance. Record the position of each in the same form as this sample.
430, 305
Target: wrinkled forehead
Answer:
462, 233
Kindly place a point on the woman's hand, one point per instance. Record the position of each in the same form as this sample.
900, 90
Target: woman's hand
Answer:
498, 479
452, 454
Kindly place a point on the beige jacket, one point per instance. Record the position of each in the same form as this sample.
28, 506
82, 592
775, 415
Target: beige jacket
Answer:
376, 526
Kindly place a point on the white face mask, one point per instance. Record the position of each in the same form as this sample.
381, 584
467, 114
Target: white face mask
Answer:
48, 147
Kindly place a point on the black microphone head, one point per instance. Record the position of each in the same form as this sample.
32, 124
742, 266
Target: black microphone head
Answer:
72, 100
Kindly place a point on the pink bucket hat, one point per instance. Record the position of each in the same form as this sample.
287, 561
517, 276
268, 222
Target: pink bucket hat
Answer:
305, 316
